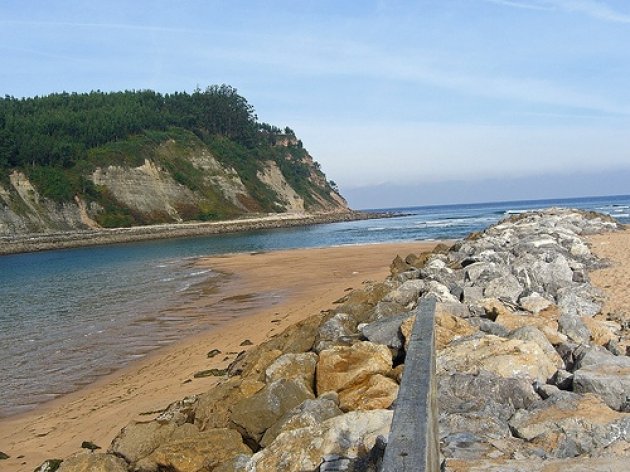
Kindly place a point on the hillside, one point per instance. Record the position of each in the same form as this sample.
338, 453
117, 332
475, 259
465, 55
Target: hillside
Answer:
80, 161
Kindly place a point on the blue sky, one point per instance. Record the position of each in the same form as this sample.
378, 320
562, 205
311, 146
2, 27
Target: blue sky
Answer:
398, 100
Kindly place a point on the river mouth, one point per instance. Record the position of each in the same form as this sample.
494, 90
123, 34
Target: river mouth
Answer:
73, 339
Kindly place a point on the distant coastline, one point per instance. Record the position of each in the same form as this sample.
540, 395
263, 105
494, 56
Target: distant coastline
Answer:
35, 242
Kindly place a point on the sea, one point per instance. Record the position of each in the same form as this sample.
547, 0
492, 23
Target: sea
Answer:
68, 317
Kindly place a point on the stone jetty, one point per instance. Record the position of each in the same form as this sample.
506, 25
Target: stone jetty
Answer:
531, 374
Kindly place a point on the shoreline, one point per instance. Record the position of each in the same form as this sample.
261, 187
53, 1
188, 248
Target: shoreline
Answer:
35, 242
310, 281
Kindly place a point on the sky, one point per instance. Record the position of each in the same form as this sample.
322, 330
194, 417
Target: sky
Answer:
402, 102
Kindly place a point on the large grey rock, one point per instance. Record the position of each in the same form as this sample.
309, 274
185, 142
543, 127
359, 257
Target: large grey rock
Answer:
299, 366
261, 411
472, 294
484, 392
440, 292
530, 333
407, 293
553, 275
604, 374
308, 413
596, 355
506, 287
574, 328
504, 357
579, 301
386, 331
385, 310
609, 382
568, 425
350, 435
336, 331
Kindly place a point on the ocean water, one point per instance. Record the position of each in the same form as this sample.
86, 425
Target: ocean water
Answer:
70, 316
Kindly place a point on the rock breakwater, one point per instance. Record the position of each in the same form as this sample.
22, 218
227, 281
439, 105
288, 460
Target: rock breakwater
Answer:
531, 374
68, 239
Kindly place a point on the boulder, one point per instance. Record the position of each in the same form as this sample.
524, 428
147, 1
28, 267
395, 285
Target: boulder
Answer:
385, 310
553, 275
574, 328
449, 327
407, 293
530, 333
341, 367
194, 451
490, 327
299, 337
605, 375
294, 366
504, 357
237, 463
213, 408
568, 425
255, 369
505, 287
399, 266
138, 440
440, 292
418, 260
386, 331
472, 294
534, 303
259, 412
93, 462
581, 300
338, 330
484, 392
180, 412
350, 435
308, 413
360, 303
375, 392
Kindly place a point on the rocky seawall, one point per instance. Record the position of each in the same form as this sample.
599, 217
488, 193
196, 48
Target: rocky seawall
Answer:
531, 374
34, 242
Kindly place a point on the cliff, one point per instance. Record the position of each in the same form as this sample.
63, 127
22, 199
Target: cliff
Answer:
179, 179
77, 162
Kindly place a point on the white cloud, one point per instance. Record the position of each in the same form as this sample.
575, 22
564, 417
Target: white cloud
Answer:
593, 8
523, 5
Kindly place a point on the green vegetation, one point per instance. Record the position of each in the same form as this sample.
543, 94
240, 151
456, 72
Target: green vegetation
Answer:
60, 139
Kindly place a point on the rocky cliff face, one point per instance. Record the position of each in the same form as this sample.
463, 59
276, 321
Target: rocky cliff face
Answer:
175, 183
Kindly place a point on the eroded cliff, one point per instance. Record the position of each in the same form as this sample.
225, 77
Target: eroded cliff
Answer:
173, 179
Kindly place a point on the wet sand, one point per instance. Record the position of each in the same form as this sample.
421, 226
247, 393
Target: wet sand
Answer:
267, 292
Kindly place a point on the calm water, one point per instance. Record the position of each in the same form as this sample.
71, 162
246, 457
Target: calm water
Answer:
69, 316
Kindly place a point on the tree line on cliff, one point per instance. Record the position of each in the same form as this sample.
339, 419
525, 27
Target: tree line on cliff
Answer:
60, 128
58, 140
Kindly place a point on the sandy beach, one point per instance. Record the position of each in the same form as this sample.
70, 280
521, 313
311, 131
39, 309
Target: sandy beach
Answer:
615, 279
304, 282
